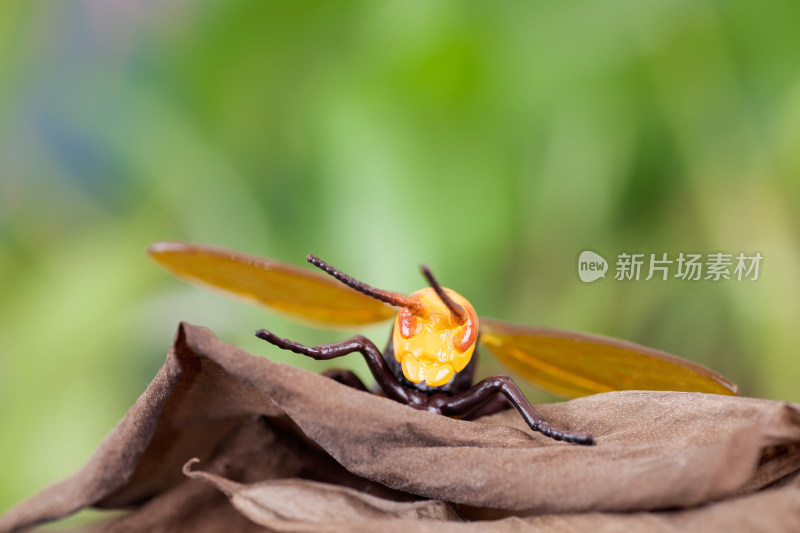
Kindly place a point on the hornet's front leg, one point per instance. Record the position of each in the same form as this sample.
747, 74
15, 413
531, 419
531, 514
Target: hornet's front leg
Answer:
359, 343
346, 377
466, 402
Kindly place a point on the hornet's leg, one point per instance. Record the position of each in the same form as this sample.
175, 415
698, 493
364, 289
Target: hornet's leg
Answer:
469, 400
359, 343
345, 377
493, 405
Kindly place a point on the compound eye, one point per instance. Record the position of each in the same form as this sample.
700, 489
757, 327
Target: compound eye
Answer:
467, 334
409, 323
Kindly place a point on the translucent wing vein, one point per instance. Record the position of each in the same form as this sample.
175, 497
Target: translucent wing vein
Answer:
286, 288
572, 364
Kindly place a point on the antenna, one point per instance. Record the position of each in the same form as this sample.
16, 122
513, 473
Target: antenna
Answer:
391, 298
456, 311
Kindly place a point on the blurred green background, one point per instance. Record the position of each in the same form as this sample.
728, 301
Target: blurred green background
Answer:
493, 141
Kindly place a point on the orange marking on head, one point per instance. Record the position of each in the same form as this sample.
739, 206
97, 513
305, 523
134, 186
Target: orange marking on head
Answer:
468, 332
409, 323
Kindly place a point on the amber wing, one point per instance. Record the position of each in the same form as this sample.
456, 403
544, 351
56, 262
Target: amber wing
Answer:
571, 364
289, 289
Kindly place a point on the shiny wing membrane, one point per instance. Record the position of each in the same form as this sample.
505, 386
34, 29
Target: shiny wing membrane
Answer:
292, 290
571, 364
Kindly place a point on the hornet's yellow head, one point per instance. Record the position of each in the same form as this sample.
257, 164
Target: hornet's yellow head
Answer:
435, 331
435, 343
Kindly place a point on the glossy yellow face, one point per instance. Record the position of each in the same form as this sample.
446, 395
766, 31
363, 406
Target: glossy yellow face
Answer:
434, 347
